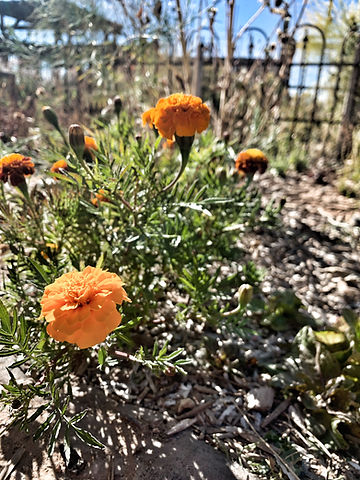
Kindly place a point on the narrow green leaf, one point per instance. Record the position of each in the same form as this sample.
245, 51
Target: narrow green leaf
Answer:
88, 437
37, 413
155, 349
187, 283
163, 350
45, 426
40, 271
5, 352
102, 354
14, 322
67, 448
5, 318
19, 362
175, 354
54, 436
79, 416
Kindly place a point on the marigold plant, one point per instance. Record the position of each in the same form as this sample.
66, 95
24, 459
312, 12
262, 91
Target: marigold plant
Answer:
14, 167
179, 114
250, 161
81, 306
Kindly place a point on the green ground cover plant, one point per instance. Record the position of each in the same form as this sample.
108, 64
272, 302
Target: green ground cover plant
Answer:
109, 207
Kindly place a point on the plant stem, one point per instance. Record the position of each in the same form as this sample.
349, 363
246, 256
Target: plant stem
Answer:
185, 144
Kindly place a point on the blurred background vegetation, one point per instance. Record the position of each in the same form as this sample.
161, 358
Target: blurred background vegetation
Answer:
293, 91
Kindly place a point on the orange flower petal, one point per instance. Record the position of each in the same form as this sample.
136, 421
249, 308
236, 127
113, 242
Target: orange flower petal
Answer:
14, 167
81, 306
179, 114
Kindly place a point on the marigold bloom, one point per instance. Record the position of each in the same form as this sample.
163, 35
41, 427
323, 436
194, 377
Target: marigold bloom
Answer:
250, 161
90, 143
179, 114
81, 306
14, 167
58, 166
90, 147
99, 197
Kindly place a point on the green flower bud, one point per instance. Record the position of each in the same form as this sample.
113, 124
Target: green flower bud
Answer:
50, 116
77, 139
245, 294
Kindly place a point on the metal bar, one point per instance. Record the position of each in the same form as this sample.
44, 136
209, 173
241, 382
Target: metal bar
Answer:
318, 121
309, 87
301, 84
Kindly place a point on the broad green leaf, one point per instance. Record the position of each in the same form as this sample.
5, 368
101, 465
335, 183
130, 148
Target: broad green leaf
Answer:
333, 340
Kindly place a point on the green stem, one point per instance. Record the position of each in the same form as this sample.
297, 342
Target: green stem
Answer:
185, 144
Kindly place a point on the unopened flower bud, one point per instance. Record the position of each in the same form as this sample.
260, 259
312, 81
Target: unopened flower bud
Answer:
77, 139
245, 294
50, 116
117, 105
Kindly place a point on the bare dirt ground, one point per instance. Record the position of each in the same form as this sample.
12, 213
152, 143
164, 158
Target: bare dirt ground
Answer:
214, 424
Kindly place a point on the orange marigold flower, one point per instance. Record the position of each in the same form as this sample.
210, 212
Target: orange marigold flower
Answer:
99, 197
14, 167
58, 166
90, 147
179, 114
81, 306
250, 161
90, 143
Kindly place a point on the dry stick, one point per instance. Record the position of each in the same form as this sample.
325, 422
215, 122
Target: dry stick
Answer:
186, 66
227, 67
302, 11
275, 413
285, 467
196, 410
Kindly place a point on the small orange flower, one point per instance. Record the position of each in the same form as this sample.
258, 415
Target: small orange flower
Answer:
179, 114
90, 147
90, 143
14, 167
58, 166
250, 161
99, 197
81, 306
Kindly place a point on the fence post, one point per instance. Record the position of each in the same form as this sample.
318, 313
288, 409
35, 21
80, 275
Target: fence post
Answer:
344, 142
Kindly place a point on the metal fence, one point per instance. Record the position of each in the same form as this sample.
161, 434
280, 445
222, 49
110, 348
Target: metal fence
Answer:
314, 93
312, 96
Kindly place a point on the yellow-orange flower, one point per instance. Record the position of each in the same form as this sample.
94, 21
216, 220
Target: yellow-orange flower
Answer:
58, 166
81, 306
90, 143
99, 197
251, 161
14, 167
90, 147
179, 114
